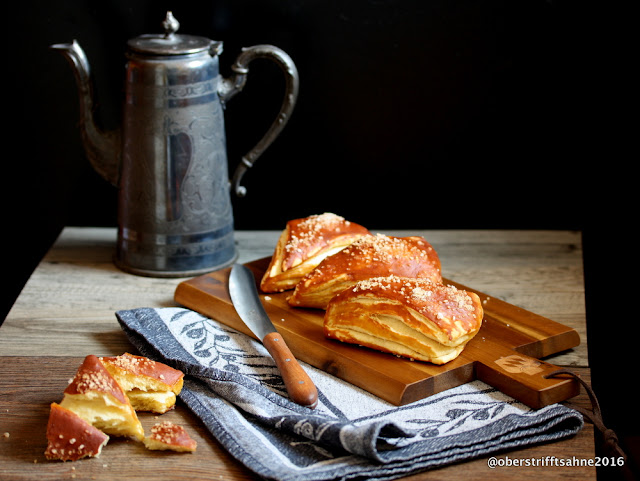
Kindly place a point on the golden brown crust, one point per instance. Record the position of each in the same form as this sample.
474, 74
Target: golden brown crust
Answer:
133, 367
302, 246
413, 318
96, 396
169, 436
69, 437
149, 385
371, 256
95, 405
92, 376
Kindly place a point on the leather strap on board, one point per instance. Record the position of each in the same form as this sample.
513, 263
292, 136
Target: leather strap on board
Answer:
610, 446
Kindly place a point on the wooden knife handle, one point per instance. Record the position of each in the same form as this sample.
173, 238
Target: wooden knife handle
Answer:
299, 385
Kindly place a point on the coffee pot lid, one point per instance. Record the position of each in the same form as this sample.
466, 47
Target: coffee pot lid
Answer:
171, 43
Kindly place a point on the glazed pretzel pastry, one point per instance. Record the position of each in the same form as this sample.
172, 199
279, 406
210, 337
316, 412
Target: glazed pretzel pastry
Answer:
96, 396
303, 244
414, 318
102, 399
372, 256
150, 385
168, 436
70, 437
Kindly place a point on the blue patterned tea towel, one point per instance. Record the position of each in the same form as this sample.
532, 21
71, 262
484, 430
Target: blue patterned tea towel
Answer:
234, 387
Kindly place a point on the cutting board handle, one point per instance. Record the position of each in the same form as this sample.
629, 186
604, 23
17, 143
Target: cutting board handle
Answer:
522, 377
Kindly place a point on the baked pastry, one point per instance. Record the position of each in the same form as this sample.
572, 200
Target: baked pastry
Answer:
371, 256
414, 318
149, 385
302, 246
70, 437
96, 396
169, 436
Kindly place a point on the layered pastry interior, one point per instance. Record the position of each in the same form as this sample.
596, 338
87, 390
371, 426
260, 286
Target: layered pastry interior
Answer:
410, 317
303, 244
149, 385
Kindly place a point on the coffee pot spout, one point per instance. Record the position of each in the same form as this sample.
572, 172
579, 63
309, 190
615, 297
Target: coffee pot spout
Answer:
102, 147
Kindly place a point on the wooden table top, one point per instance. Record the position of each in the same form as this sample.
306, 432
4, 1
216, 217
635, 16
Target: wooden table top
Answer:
66, 311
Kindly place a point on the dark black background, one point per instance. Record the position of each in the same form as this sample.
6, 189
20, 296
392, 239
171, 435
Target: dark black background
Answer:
411, 114
416, 114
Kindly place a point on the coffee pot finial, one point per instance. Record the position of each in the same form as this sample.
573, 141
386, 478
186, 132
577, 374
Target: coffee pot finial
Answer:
170, 25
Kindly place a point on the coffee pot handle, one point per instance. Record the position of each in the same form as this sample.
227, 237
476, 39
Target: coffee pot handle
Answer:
230, 87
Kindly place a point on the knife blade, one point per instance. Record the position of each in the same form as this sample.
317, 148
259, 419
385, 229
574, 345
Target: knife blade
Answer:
246, 301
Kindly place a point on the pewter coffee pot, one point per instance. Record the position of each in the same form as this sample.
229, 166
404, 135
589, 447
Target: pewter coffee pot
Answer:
169, 159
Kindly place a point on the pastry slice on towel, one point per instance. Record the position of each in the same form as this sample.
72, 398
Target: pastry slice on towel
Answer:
414, 318
303, 244
371, 256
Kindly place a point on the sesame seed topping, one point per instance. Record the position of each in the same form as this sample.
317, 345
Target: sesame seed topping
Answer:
310, 229
166, 432
443, 303
93, 381
134, 364
379, 255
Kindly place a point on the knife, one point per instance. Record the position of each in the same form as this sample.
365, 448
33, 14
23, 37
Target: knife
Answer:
244, 295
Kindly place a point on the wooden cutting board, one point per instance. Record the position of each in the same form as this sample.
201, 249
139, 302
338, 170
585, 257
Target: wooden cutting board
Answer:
505, 353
